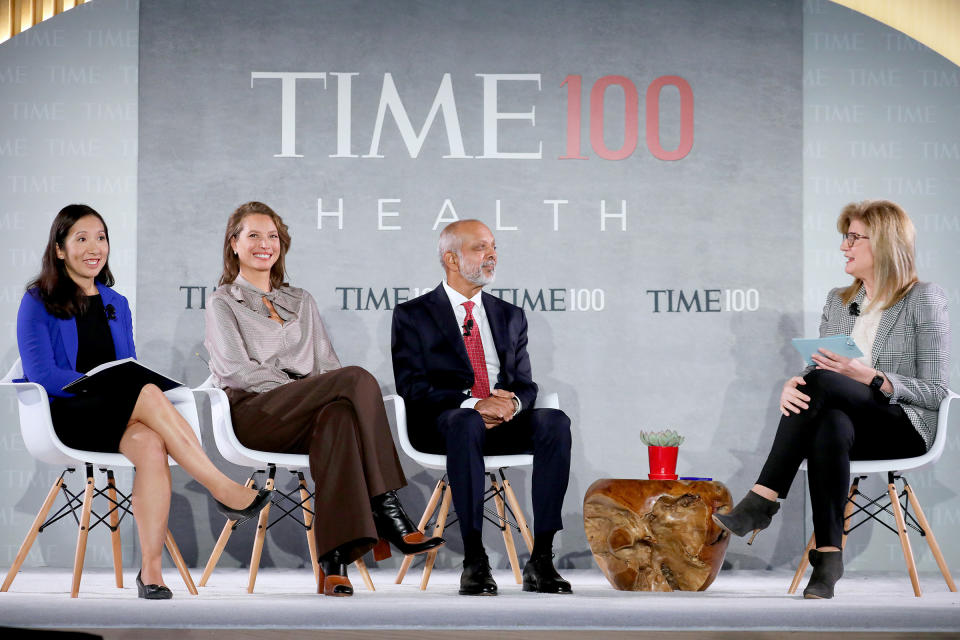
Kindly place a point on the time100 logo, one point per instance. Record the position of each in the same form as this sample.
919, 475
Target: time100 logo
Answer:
703, 300
631, 120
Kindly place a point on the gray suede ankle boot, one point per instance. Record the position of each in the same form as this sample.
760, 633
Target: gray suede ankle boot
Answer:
827, 569
753, 513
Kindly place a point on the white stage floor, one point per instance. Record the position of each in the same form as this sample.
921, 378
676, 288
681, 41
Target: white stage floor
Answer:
750, 601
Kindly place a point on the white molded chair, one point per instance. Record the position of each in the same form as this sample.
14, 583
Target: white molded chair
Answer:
263, 462
898, 503
36, 427
499, 492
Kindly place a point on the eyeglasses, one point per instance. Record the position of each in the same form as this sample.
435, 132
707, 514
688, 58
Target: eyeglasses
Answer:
851, 238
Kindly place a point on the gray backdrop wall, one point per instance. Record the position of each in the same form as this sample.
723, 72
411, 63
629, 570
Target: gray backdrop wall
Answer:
607, 328
882, 120
68, 133
723, 221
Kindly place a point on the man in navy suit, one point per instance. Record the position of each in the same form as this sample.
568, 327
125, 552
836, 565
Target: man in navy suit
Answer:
460, 362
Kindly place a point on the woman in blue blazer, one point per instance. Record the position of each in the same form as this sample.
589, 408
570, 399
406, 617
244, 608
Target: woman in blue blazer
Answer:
880, 406
70, 321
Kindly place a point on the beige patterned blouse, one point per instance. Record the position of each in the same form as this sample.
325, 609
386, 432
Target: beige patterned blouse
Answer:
251, 352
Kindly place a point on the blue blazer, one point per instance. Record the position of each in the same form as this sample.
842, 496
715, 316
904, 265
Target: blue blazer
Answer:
48, 345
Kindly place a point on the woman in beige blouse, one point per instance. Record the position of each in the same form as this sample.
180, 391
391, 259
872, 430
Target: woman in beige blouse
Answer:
288, 393
881, 406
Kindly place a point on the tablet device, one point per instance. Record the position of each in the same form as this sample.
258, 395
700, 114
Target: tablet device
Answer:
842, 345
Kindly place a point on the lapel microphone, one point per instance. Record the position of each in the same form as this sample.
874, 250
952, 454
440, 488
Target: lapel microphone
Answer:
111, 312
854, 309
467, 327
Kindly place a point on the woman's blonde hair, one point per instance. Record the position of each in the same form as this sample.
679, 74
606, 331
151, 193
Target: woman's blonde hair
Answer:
231, 264
892, 239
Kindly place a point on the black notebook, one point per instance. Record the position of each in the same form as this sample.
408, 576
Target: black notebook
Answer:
119, 373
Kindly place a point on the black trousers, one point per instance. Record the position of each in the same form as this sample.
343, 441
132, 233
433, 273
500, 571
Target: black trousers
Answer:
543, 432
847, 420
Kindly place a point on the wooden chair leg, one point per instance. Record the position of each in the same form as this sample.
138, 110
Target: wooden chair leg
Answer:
931, 540
177, 557
308, 521
362, 568
424, 519
258, 541
220, 546
507, 534
437, 531
518, 513
217, 551
32, 534
115, 530
802, 566
82, 533
904, 540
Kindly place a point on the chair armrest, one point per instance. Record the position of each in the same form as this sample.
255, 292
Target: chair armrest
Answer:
29, 393
547, 401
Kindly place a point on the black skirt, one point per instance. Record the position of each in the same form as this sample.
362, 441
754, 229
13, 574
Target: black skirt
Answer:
94, 422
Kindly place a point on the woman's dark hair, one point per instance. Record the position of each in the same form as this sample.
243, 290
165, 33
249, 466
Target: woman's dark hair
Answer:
231, 264
54, 287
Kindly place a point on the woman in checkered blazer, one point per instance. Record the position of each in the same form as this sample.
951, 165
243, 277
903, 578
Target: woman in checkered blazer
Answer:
882, 405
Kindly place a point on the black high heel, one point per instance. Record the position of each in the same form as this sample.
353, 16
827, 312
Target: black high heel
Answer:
395, 527
827, 569
753, 513
152, 591
259, 502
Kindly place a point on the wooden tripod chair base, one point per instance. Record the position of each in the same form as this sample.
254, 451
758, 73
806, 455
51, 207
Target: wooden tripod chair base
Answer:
73, 502
499, 492
263, 523
900, 514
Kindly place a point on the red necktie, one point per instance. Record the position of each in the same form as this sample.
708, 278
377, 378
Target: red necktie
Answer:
471, 339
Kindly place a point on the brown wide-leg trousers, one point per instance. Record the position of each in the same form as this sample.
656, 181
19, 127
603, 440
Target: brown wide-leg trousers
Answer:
338, 419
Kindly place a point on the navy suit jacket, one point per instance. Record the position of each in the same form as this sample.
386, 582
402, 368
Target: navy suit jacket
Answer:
48, 344
430, 363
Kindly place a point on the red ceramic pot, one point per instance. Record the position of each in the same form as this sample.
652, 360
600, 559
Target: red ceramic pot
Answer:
663, 463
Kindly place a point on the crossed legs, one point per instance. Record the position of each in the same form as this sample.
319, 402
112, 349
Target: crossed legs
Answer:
846, 421
156, 429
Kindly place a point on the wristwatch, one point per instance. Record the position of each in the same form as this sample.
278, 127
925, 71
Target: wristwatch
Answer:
877, 381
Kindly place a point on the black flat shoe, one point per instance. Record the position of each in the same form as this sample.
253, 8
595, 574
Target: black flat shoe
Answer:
753, 513
152, 591
540, 576
827, 569
259, 502
476, 579
394, 526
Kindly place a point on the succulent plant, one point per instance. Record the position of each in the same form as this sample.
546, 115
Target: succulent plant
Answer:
666, 438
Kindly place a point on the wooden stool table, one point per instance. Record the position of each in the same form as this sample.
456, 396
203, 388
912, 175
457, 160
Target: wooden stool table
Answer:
656, 535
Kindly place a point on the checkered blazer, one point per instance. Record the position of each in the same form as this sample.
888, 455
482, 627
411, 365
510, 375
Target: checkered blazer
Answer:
912, 349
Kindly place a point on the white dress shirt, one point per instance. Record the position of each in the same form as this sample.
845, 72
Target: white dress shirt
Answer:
480, 324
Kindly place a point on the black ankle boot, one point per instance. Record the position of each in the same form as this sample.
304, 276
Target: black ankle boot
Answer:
540, 576
333, 575
827, 569
753, 513
394, 526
